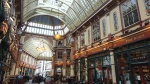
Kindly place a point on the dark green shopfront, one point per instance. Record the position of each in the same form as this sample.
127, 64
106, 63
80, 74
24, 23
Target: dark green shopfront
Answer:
132, 65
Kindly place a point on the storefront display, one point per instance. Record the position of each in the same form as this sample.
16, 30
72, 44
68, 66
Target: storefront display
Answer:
76, 70
132, 64
82, 71
91, 71
99, 69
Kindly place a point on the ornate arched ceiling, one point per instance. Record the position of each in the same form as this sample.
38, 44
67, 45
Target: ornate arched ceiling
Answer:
48, 17
71, 12
30, 46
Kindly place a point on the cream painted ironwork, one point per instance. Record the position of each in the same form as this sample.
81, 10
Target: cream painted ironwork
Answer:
71, 12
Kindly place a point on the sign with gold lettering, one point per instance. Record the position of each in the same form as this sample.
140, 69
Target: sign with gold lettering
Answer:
131, 39
116, 43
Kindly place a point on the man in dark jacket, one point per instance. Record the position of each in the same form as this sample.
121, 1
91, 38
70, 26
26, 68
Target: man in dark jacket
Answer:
38, 78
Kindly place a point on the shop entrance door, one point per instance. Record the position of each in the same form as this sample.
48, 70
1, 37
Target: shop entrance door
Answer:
107, 75
141, 74
91, 75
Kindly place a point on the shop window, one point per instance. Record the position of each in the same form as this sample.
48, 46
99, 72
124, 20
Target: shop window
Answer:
106, 60
133, 57
82, 39
91, 72
139, 55
99, 71
82, 70
147, 7
96, 31
123, 68
76, 70
115, 21
104, 27
59, 55
91, 63
129, 12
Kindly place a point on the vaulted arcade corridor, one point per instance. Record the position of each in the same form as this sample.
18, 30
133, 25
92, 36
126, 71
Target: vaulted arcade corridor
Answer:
75, 41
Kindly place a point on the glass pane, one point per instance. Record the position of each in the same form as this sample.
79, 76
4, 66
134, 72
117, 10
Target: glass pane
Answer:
129, 11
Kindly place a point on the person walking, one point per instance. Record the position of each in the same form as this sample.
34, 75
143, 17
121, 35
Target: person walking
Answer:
38, 78
48, 80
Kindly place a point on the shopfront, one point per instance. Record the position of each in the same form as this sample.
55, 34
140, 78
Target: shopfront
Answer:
58, 73
133, 63
82, 71
99, 69
77, 70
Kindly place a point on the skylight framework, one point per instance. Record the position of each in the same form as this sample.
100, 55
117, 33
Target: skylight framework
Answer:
72, 12
43, 29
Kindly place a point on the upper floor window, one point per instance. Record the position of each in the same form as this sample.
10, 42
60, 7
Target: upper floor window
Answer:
82, 39
76, 42
147, 6
96, 31
129, 12
89, 36
115, 21
59, 55
104, 27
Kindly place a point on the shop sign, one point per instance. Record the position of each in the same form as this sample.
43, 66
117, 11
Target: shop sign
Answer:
116, 43
134, 38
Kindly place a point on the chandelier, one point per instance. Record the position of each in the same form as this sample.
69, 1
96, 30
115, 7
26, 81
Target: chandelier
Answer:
41, 46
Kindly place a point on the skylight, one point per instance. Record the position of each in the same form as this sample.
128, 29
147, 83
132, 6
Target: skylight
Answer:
43, 29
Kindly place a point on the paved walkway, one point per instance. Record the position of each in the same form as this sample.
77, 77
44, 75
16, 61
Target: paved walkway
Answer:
30, 82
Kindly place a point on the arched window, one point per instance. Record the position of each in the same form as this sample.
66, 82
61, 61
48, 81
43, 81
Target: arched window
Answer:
82, 39
76, 42
96, 31
89, 36
104, 27
115, 21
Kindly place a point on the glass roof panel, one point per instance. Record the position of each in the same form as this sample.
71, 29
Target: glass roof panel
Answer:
70, 12
37, 26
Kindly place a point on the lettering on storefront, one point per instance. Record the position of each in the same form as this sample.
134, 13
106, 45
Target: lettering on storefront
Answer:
120, 42
134, 38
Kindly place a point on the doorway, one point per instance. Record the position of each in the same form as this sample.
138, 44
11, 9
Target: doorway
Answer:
107, 75
91, 75
141, 74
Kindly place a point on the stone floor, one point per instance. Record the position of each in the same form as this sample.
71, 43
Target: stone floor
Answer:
30, 82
